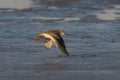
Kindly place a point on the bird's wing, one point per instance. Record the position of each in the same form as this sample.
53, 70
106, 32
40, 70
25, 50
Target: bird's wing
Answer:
48, 43
59, 42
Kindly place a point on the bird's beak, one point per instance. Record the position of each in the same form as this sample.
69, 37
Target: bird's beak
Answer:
67, 34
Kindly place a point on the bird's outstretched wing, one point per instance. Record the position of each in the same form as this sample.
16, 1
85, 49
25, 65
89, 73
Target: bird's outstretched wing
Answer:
59, 42
48, 43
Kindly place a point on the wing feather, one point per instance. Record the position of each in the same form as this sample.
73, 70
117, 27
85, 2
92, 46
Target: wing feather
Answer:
48, 43
59, 42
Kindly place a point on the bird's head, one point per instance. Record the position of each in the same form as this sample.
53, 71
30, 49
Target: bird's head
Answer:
62, 32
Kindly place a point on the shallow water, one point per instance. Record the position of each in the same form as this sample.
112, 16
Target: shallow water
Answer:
93, 25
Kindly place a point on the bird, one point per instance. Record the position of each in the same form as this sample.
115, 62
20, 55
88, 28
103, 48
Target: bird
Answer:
53, 36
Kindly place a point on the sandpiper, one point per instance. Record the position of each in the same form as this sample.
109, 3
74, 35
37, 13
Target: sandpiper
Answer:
53, 36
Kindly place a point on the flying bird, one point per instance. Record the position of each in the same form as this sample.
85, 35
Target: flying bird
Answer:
53, 36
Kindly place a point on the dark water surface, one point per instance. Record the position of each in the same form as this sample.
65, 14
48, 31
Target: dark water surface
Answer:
94, 28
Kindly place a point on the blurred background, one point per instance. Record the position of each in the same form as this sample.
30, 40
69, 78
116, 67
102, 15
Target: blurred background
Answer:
94, 26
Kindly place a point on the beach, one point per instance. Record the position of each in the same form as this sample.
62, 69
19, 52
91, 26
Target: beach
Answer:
93, 43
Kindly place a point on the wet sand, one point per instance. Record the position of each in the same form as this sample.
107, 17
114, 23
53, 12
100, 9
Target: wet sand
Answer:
93, 43
86, 65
